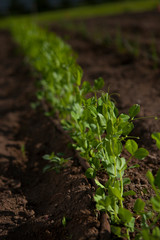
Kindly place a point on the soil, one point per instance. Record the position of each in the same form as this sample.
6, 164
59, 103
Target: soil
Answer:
33, 203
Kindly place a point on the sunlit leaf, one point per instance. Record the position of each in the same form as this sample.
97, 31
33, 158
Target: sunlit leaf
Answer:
125, 215
139, 205
134, 110
156, 136
131, 146
141, 153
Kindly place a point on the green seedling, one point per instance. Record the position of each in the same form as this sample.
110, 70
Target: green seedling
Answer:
64, 221
34, 105
156, 137
150, 216
150, 211
23, 150
56, 162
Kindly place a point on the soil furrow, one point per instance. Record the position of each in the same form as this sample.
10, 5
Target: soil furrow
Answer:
33, 203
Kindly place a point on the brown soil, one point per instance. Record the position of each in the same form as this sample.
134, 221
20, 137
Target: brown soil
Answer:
33, 204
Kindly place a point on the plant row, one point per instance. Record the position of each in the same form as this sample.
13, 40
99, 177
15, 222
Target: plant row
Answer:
99, 132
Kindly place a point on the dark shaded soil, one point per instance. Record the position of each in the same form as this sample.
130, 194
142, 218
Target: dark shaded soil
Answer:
33, 204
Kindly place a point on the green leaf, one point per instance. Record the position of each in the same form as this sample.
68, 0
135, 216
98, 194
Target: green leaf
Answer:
150, 177
111, 170
96, 163
101, 120
109, 127
129, 193
99, 184
135, 166
93, 110
79, 76
156, 136
100, 207
139, 206
145, 234
134, 110
115, 192
126, 181
156, 203
47, 157
90, 173
99, 83
120, 164
86, 87
124, 117
141, 153
64, 221
157, 179
116, 230
47, 168
117, 147
100, 192
156, 233
131, 146
125, 215
130, 224
126, 127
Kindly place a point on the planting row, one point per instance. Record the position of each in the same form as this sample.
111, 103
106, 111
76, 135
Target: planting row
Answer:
99, 132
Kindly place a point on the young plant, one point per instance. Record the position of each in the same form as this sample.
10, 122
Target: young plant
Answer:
56, 162
149, 217
149, 211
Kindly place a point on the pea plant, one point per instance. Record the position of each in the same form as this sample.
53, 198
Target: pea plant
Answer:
151, 215
149, 211
99, 132
56, 162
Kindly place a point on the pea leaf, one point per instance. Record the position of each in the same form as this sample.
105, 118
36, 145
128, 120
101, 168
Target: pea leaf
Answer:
139, 206
126, 127
126, 181
98, 83
115, 192
124, 117
125, 215
156, 203
90, 173
79, 76
116, 230
131, 146
156, 232
99, 184
150, 177
86, 87
129, 193
157, 179
134, 110
141, 153
156, 136
101, 120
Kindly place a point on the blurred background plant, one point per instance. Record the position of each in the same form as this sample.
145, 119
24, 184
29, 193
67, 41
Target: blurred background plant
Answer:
28, 6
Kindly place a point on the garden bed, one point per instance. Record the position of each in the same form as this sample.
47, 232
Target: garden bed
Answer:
34, 204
